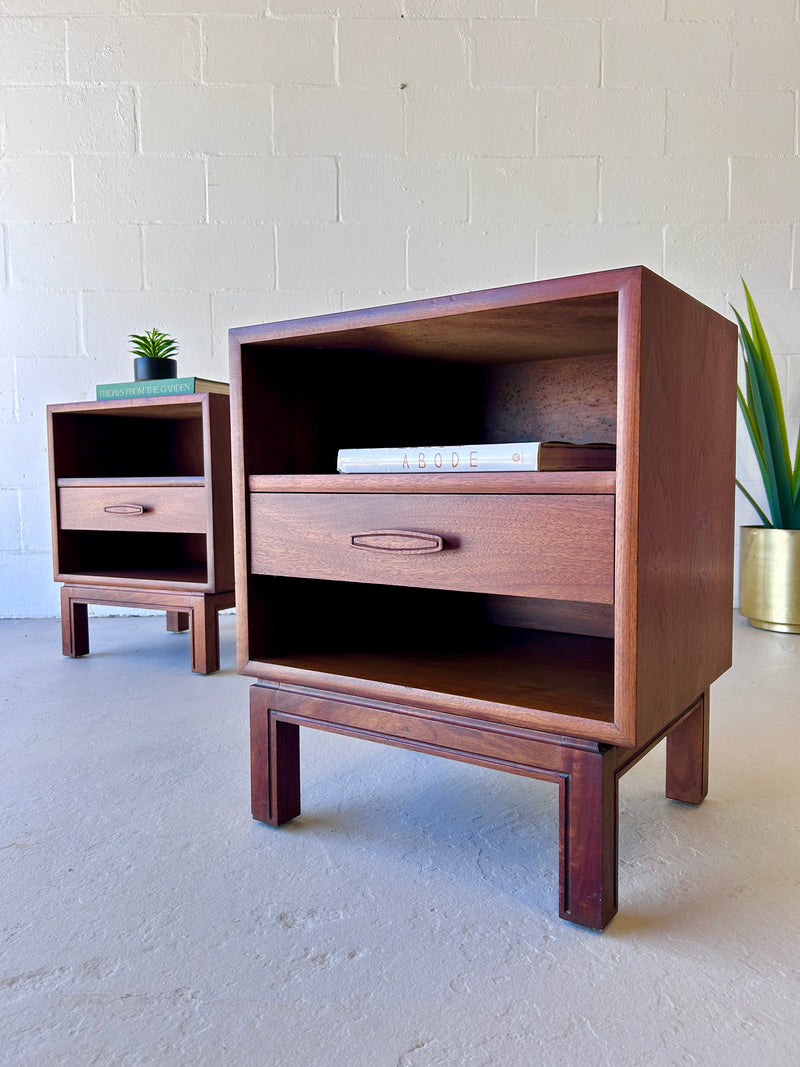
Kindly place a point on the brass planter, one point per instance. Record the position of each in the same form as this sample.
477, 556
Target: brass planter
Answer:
769, 578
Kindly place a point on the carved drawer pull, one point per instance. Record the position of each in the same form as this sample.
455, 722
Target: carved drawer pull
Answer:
397, 541
125, 509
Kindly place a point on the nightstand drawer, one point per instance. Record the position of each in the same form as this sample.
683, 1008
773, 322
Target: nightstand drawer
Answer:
554, 546
146, 508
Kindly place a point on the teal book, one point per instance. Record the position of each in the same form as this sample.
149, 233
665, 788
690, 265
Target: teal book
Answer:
158, 387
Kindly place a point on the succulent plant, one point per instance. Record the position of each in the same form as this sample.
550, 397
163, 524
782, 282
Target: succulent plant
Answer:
153, 345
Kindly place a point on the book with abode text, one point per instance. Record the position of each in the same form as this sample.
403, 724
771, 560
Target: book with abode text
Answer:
519, 455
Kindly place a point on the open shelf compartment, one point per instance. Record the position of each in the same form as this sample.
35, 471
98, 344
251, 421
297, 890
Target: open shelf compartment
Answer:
100, 557
428, 648
513, 374
620, 357
109, 440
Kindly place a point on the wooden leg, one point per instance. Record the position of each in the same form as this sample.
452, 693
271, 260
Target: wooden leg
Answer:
74, 625
588, 845
204, 628
177, 621
274, 762
687, 755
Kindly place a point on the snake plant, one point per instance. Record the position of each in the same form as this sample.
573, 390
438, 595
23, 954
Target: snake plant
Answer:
762, 408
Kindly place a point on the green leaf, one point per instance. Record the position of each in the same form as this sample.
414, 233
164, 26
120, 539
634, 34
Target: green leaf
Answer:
761, 514
768, 363
748, 410
764, 415
153, 345
763, 410
752, 429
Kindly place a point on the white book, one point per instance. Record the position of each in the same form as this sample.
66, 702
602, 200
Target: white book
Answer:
438, 459
514, 456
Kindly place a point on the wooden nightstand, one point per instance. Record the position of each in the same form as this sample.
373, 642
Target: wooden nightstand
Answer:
569, 620
140, 494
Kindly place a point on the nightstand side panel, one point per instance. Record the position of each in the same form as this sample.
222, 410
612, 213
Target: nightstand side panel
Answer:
687, 449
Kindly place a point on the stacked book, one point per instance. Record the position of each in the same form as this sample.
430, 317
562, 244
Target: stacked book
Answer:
159, 387
517, 456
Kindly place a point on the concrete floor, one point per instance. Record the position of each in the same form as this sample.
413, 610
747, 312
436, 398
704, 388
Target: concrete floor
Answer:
407, 919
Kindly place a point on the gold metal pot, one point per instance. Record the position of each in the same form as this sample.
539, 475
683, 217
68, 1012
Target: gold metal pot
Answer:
769, 578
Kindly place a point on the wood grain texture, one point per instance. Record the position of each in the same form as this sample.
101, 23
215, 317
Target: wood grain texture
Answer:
586, 773
560, 616
626, 545
74, 625
490, 667
571, 399
169, 460
560, 682
164, 509
169, 455
199, 610
219, 500
496, 483
687, 755
687, 454
547, 546
563, 317
164, 566
275, 763
588, 838
169, 481
615, 330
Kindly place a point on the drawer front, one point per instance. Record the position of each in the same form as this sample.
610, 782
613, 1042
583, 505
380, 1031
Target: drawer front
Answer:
154, 509
553, 546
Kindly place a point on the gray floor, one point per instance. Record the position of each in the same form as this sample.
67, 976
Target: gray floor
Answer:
407, 919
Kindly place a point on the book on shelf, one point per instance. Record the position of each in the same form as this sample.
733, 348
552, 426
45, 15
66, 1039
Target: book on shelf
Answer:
159, 387
516, 456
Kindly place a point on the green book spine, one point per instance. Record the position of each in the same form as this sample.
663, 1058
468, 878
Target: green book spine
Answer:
136, 390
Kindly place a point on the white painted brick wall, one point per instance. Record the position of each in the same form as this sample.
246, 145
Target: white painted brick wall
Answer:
675, 55
206, 119
534, 191
270, 51
542, 53
600, 122
208, 257
389, 52
200, 164
309, 255
272, 189
735, 122
108, 318
32, 51
765, 189
404, 191
10, 521
138, 188
467, 254
664, 189
69, 120
601, 246
35, 189
473, 122
74, 256
129, 49
338, 122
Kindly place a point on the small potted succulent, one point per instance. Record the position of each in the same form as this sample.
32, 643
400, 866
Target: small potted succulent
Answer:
769, 575
153, 353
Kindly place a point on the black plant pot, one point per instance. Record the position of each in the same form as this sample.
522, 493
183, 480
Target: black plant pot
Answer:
147, 369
